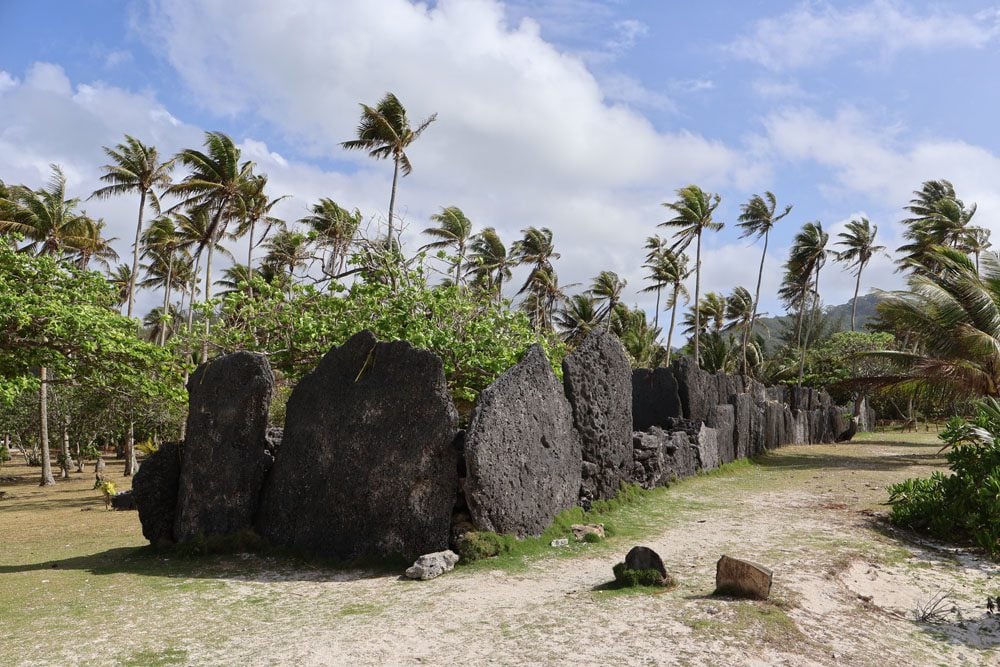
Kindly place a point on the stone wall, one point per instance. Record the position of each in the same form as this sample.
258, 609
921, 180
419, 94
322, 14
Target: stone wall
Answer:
372, 463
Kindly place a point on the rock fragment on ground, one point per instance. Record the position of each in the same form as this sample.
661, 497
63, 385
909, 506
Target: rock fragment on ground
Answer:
742, 579
432, 565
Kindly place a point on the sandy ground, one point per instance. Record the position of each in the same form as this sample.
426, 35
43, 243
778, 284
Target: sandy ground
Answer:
846, 592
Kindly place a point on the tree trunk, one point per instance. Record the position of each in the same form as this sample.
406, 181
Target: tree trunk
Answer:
131, 463
854, 306
805, 339
65, 460
392, 196
250, 258
208, 297
166, 302
673, 317
697, 303
43, 424
135, 253
656, 315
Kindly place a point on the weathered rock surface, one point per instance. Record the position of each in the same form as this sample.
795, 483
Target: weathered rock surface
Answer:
432, 565
723, 419
680, 457
742, 579
708, 448
581, 530
522, 452
225, 454
647, 457
368, 464
849, 432
742, 425
644, 558
697, 389
154, 489
654, 398
123, 501
597, 378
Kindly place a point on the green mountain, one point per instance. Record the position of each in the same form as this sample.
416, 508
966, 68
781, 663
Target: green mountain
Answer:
836, 318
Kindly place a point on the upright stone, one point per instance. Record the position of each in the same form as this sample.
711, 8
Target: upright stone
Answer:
742, 579
368, 464
154, 489
225, 456
654, 398
708, 448
742, 429
597, 378
722, 418
679, 457
698, 390
522, 453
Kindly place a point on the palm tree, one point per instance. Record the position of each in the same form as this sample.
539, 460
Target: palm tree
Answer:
216, 183
859, 244
489, 261
537, 250
94, 246
134, 167
757, 219
454, 230
161, 242
710, 315
807, 257
638, 338
668, 269
578, 317
256, 209
334, 228
740, 310
693, 215
952, 318
939, 217
287, 250
607, 288
120, 278
384, 131
53, 226
544, 295
976, 241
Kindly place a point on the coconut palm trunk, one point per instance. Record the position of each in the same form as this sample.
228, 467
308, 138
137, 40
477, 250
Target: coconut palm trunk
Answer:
43, 426
166, 301
392, 196
670, 331
135, 253
131, 463
208, 296
697, 297
656, 315
64, 459
805, 339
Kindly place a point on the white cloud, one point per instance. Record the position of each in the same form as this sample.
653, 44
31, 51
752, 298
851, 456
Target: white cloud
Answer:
6, 81
814, 33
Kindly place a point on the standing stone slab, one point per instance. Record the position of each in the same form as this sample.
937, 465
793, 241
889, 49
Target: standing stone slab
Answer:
698, 389
522, 453
154, 489
654, 398
742, 433
722, 418
597, 378
225, 453
680, 457
368, 464
647, 457
708, 448
742, 579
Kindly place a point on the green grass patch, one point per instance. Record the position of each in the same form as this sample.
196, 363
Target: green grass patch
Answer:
150, 658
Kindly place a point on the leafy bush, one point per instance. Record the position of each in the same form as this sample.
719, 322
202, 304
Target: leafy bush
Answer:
962, 506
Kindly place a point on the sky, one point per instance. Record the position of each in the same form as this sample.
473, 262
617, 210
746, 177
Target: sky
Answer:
583, 116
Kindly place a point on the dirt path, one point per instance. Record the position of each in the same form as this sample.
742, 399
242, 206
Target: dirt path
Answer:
844, 591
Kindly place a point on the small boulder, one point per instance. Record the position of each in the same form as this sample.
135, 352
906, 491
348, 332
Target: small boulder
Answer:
123, 501
742, 579
642, 567
154, 489
432, 565
581, 530
644, 558
560, 542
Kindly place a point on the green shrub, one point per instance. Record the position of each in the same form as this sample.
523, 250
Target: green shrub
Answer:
962, 506
473, 546
592, 538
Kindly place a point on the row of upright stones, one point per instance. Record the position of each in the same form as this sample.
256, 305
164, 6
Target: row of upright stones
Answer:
372, 462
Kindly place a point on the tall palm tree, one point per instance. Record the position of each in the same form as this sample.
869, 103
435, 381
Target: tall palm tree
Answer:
120, 278
656, 246
544, 295
693, 215
489, 261
161, 243
334, 228
757, 218
859, 248
287, 250
709, 314
453, 230
134, 167
638, 338
256, 210
673, 268
607, 288
807, 257
939, 217
384, 131
217, 183
536, 249
52, 226
93, 246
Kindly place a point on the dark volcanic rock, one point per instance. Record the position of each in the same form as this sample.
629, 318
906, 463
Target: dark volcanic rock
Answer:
522, 452
644, 558
680, 457
849, 432
123, 501
722, 418
742, 434
225, 453
647, 457
368, 464
708, 448
698, 390
154, 489
597, 378
773, 427
654, 398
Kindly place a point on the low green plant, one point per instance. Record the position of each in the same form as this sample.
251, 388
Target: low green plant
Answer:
627, 577
4, 455
477, 545
107, 487
592, 538
963, 505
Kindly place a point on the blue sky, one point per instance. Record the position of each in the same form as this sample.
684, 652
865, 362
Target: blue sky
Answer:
580, 115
